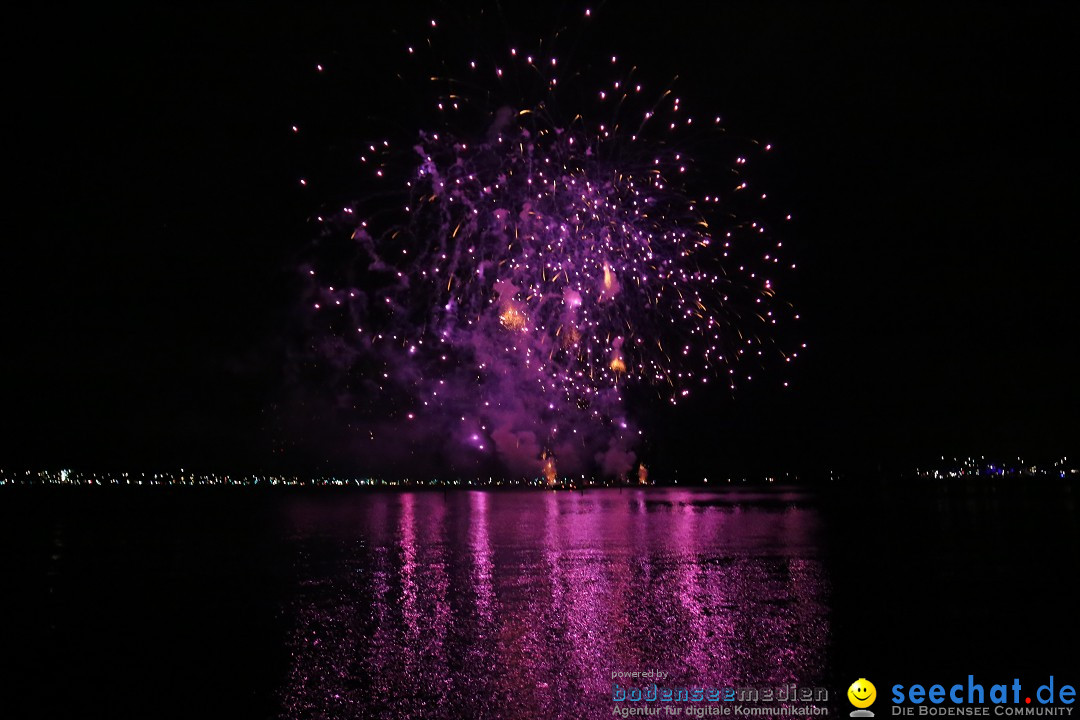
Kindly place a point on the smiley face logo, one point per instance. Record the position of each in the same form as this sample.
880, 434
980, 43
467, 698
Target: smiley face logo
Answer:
862, 693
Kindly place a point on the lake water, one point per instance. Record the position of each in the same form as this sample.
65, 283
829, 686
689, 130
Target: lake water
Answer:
340, 604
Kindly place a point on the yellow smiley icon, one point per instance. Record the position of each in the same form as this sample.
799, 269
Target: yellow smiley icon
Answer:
862, 693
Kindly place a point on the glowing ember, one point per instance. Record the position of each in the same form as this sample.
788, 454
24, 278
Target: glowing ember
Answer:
548, 468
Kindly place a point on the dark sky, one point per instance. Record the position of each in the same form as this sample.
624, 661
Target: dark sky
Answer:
152, 237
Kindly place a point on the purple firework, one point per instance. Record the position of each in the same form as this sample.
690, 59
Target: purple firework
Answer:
517, 266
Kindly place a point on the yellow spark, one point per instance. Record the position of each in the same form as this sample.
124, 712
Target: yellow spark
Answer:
513, 319
609, 279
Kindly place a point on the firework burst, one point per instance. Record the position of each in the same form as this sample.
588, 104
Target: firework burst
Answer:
545, 242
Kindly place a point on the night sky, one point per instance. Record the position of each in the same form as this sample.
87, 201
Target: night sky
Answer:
155, 227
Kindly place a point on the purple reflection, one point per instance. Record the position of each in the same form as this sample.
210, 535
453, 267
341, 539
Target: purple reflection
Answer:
480, 548
518, 604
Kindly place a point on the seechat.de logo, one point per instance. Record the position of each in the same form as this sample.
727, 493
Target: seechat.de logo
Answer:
862, 694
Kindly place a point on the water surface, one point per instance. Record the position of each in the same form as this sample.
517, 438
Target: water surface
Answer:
522, 604
244, 602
